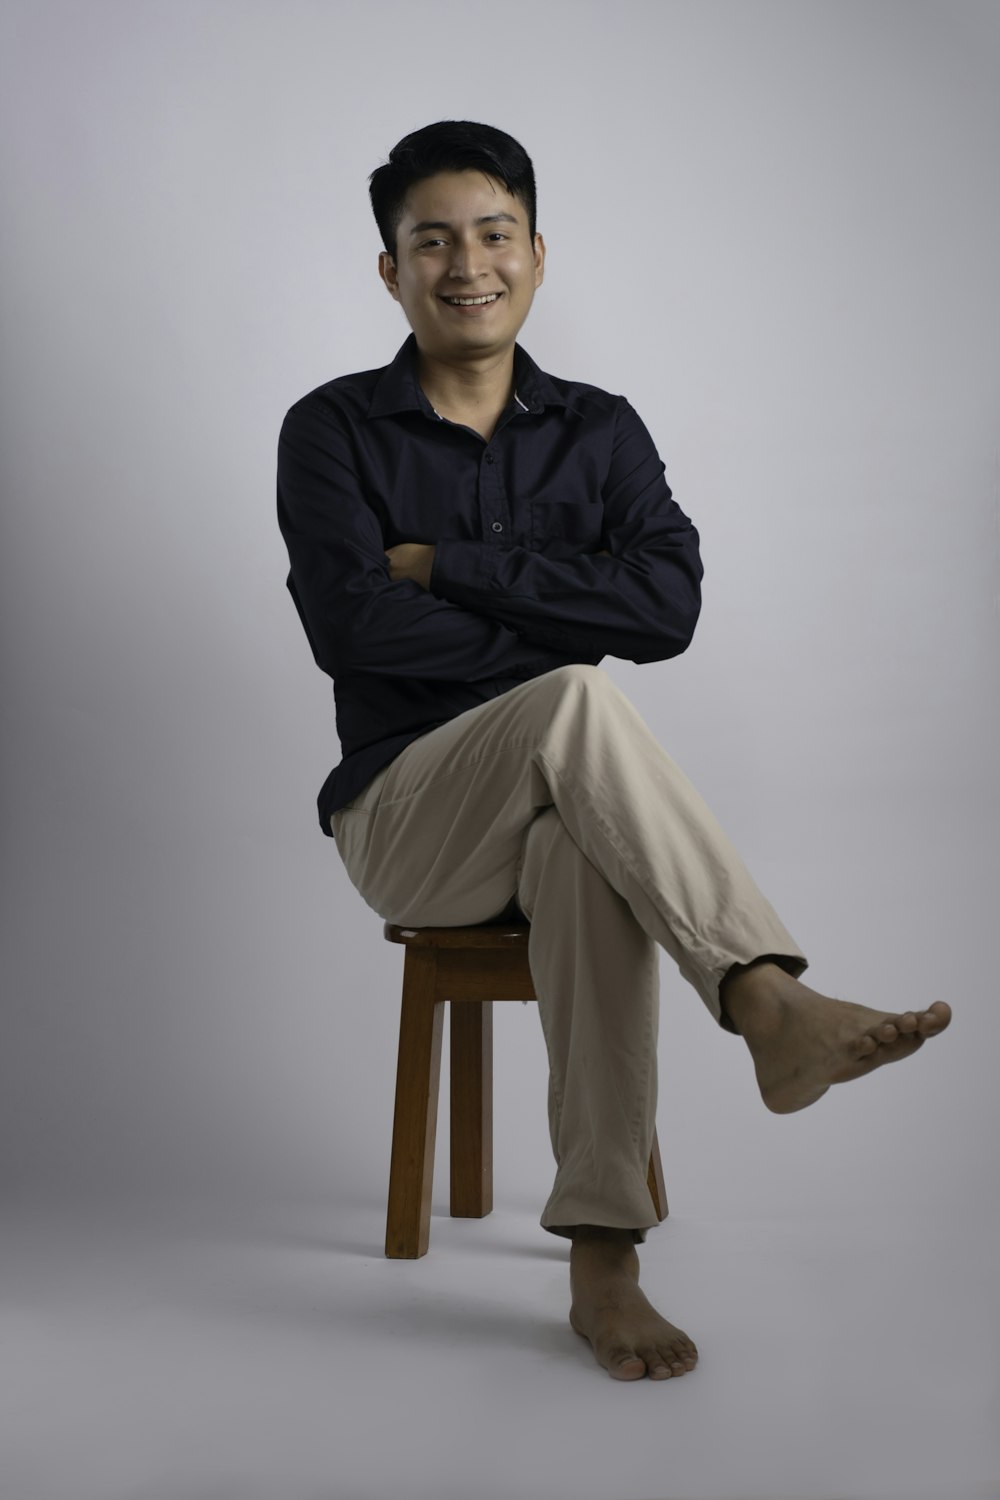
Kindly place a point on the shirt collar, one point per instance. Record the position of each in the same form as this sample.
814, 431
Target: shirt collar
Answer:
398, 388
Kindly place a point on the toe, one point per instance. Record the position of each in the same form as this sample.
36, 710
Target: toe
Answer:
679, 1356
624, 1364
906, 1024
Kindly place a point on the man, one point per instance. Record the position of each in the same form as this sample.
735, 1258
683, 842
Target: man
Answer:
468, 538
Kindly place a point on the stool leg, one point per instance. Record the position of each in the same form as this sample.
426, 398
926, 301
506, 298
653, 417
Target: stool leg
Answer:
657, 1187
414, 1125
471, 1108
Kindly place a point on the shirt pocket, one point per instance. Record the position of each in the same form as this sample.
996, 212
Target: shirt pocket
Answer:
564, 527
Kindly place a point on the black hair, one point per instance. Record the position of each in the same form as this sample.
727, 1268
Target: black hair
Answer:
449, 146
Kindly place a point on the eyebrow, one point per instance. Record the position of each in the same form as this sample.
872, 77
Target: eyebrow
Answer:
441, 224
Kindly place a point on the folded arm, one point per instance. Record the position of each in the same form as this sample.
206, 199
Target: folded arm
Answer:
638, 600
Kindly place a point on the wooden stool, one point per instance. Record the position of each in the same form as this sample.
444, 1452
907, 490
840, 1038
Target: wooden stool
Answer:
471, 967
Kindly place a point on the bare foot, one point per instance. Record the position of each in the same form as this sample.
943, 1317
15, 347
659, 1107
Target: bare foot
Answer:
802, 1042
627, 1334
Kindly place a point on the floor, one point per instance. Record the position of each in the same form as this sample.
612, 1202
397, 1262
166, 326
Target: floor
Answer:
165, 1354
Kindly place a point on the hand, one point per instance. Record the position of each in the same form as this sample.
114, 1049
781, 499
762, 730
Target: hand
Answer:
411, 560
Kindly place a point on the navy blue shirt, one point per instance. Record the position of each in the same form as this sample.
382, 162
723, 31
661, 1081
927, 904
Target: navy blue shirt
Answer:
517, 587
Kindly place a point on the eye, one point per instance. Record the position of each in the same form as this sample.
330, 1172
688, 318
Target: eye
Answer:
496, 234
425, 243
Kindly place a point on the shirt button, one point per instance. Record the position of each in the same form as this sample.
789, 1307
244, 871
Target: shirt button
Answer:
489, 458
498, 526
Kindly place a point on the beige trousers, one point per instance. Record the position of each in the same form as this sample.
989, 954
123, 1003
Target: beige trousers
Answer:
556, 795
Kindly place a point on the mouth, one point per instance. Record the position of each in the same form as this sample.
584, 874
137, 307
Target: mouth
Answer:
472, 304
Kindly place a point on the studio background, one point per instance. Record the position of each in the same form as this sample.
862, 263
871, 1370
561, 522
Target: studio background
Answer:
775, 228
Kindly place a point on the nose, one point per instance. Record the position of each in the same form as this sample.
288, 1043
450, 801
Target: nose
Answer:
468, 259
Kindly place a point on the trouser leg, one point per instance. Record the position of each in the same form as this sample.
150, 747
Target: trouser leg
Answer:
596, 976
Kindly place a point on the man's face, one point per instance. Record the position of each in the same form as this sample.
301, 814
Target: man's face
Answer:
462, 235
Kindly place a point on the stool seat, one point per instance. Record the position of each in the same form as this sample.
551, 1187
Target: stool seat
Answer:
485, 935
470, 967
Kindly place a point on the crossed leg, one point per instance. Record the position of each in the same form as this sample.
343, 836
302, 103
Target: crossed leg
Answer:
618, 854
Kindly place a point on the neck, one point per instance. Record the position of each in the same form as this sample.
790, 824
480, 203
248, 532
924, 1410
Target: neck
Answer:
467, 386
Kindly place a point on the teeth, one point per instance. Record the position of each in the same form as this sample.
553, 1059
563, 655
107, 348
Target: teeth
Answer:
472, 301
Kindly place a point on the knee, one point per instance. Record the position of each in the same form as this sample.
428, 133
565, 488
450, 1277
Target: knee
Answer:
582, 674
583, 683
574, 702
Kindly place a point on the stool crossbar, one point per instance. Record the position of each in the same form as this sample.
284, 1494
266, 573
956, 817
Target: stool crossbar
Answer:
470, 967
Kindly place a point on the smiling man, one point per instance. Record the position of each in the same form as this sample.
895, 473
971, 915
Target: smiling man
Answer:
469, 537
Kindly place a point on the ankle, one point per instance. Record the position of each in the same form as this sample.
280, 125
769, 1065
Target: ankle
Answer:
595, 1244
597, 1260
594, 1233
750, 994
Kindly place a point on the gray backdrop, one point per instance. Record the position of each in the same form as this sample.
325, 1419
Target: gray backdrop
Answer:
775, 228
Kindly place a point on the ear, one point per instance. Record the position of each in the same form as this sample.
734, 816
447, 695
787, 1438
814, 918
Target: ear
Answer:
539, 256
387, 271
